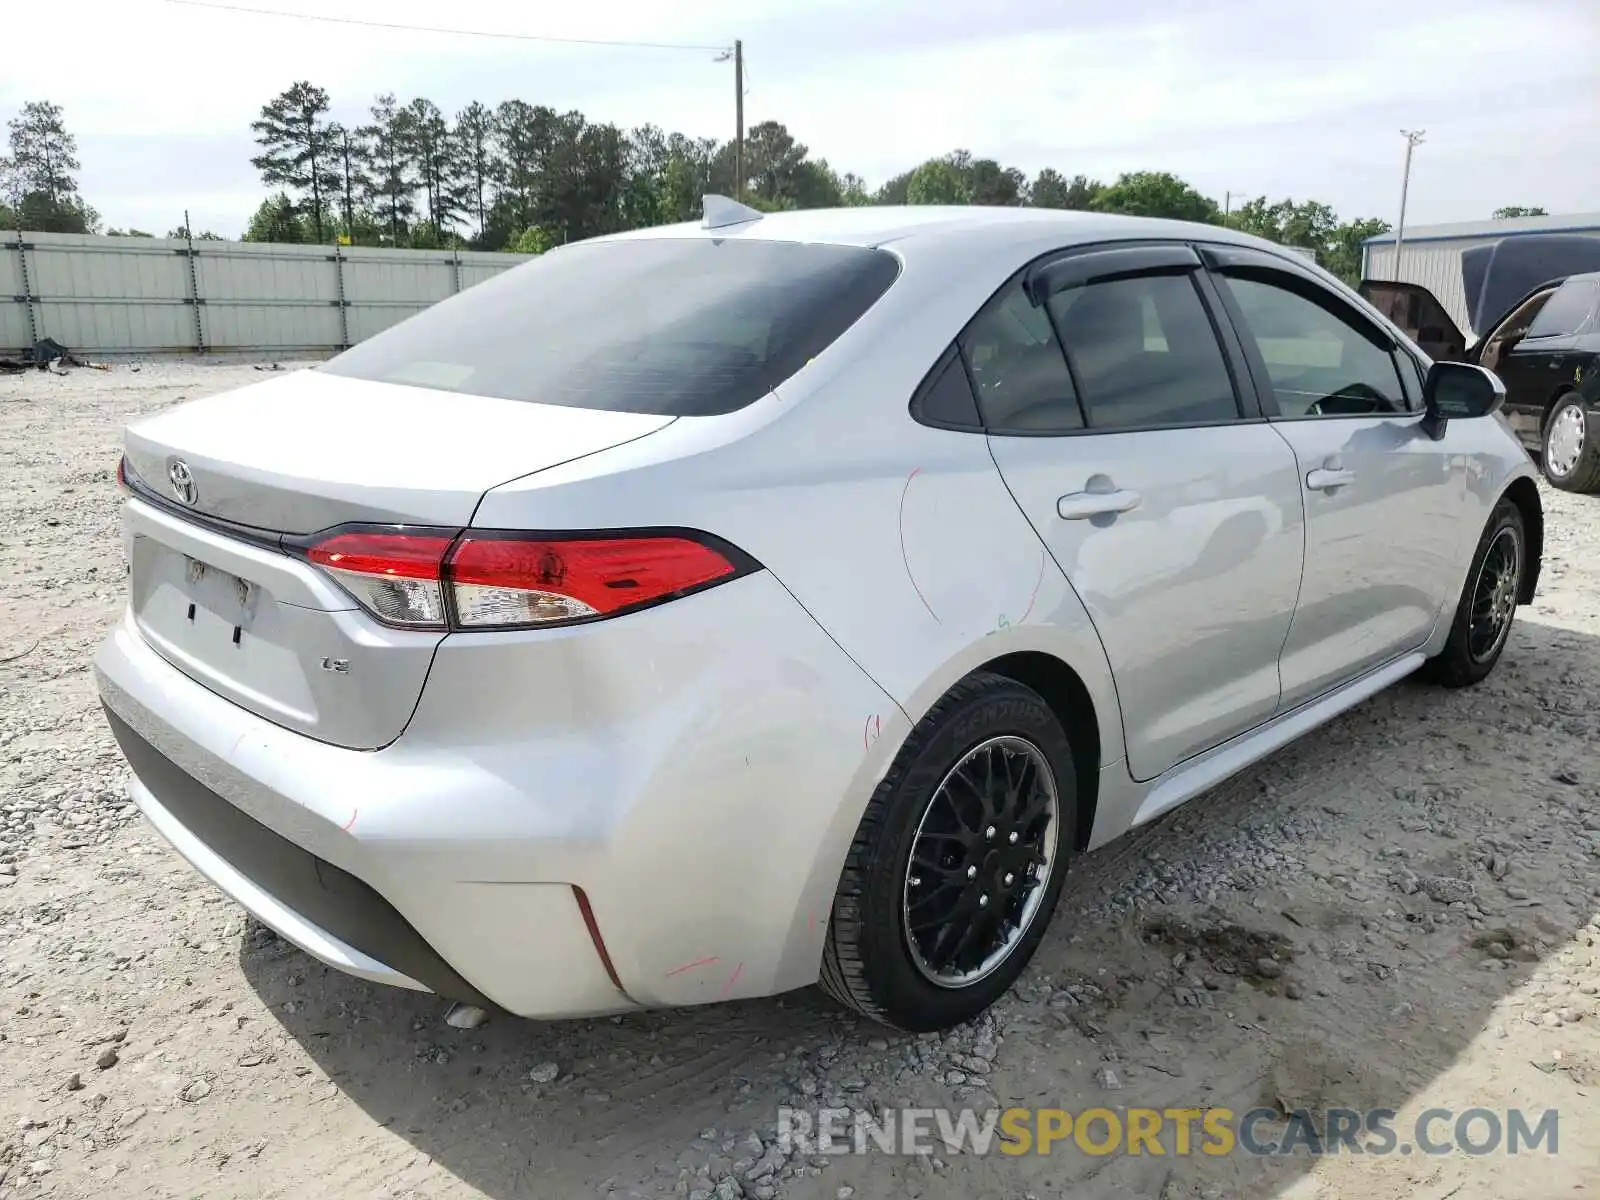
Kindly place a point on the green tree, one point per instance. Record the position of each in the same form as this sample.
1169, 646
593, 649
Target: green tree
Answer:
777, 170
1051, 189
128, 233
38, 178
278, 220
434, 151
182, 232
938, 181
474, 136
990, 183
853, 191
532, 240
522, 136
1343, 256
1517, 210
295, 136
895, 190
1157, 194
350, 166
391, 181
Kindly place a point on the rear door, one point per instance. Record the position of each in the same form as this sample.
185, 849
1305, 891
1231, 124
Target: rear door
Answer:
1170, 505
1550, 357
1382, 498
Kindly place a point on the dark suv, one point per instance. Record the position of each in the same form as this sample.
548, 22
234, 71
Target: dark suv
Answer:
1543, 341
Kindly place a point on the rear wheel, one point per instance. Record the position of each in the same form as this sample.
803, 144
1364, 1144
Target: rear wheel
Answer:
1570, 457
1488, 602
958, 862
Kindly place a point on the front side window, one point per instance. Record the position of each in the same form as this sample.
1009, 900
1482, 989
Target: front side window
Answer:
1020, 375
671, 326
1568, 310
1320, 365
1144, 353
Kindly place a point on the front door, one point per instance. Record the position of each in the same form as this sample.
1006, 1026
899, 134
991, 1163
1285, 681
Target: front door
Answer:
1176, 518
1382, 499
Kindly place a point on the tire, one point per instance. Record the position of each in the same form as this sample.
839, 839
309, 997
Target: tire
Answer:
1568, 455
1469, 655
871, 963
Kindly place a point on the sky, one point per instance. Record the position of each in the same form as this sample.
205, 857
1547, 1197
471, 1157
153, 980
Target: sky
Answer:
1298, 98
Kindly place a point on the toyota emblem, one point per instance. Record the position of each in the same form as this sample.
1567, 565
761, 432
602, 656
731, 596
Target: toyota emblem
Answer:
182, 480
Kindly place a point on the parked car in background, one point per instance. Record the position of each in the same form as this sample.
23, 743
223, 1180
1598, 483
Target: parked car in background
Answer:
1542, 339
711, 610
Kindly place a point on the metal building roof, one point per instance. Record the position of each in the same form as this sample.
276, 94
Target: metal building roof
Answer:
1511, 227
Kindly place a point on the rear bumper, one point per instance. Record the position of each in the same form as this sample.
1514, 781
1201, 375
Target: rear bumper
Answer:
326, 911
697, 770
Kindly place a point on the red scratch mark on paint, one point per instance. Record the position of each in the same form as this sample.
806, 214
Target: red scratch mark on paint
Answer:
904, 558
870, 734
351, 821
733, 979
699, 962
1034, 595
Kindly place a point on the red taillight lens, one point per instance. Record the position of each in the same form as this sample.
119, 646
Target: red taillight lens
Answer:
500, 581
474, 580
395, 576
122, 472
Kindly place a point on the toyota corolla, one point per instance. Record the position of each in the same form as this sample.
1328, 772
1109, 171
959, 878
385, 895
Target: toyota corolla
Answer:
712, 610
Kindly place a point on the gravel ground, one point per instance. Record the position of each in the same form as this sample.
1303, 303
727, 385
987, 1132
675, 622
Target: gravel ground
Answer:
1399, 911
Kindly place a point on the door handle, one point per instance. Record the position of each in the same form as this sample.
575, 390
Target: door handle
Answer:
1324, 479
1080, 506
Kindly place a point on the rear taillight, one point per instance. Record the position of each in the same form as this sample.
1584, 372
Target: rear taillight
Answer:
122, 472
394, 576
490, 579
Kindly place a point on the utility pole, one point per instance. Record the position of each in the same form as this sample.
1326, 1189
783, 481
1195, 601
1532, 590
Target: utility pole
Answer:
737, 55
738, 128
1412, 137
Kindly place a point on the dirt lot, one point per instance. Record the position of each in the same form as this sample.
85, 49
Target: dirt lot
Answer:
1426, 871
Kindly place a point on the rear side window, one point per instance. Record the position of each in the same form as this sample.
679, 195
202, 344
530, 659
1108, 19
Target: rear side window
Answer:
1021, 377
1568, 310
670, 326
1144, 353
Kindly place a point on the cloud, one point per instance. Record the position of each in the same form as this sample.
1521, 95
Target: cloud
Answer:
1302, 99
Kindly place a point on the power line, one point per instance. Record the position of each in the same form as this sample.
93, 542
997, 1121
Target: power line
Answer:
481, 33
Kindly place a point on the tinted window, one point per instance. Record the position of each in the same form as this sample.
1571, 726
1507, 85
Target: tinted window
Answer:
1144, 353
678, 326
946, 398
1320, 364
1567, 310
1022, 380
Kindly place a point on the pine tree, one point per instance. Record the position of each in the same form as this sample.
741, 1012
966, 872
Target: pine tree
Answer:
392, 180
297, 151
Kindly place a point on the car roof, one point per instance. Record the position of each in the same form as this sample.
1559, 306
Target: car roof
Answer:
878, 225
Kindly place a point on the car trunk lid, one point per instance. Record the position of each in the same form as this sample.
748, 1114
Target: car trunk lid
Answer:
310, 450
217, 593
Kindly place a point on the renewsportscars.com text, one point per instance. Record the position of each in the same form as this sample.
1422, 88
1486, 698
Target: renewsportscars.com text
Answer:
1176, 1132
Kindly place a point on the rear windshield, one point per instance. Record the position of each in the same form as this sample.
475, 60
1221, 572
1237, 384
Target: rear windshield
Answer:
672, 326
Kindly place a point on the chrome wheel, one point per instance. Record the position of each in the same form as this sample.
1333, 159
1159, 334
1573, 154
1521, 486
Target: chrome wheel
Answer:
1494, 595
980, 861
1563, 442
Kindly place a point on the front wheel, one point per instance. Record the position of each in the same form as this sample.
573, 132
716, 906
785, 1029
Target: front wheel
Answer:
958, 861
1569, 456
1488, 601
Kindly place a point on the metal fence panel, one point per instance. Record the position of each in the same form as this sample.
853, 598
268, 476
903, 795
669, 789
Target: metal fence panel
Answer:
14, 324
118, 295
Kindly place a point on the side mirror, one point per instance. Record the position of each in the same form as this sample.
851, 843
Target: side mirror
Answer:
1455, 389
